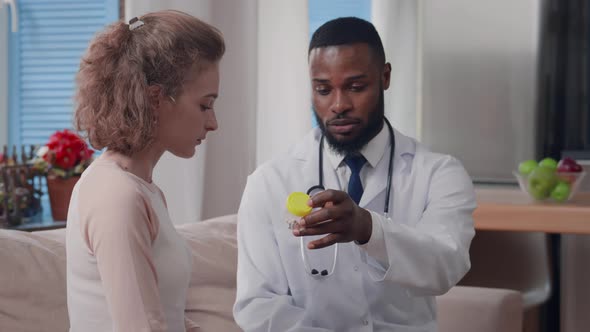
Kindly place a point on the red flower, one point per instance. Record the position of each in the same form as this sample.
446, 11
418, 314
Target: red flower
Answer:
66, 150
65, 159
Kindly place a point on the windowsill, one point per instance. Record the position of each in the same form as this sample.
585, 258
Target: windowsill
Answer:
43, 225
42, 222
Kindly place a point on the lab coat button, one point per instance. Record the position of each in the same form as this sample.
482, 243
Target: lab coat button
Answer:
365, 322
356, 268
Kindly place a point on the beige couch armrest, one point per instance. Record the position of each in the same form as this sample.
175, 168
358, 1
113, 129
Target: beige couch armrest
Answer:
477, 309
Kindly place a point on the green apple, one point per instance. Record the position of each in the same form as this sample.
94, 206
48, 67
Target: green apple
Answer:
549, 163
561, 192
541, 181
526, 167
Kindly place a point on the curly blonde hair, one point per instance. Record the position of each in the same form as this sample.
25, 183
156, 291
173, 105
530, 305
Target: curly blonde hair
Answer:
112, 101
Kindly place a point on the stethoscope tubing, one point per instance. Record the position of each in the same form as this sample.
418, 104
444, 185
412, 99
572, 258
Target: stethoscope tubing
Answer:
320, 186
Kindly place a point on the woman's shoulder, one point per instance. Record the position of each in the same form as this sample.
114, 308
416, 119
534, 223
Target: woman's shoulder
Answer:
108, 198
107, 184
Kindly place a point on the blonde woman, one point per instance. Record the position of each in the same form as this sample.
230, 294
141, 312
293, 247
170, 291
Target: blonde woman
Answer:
144, 88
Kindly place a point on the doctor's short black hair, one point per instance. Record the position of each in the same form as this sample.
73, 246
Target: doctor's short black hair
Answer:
346, 31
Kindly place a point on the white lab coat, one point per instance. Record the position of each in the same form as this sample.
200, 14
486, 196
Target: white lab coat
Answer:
426, 239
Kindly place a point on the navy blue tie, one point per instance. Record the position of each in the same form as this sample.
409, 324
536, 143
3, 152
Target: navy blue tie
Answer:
355, 187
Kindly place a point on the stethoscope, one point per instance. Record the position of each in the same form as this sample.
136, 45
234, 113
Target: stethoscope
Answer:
320, 187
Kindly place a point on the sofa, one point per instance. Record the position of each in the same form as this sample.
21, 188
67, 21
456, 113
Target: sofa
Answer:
33, 285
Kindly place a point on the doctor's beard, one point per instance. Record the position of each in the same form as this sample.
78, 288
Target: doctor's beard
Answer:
374, 125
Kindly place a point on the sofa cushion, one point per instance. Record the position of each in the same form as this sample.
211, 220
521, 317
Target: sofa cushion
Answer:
480, 309
33, 282
212, 288
33, 278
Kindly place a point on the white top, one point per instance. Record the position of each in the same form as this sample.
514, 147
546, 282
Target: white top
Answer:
388, 284
127, 267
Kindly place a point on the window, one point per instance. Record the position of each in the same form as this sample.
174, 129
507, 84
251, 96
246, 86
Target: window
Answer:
321, 11
44, 56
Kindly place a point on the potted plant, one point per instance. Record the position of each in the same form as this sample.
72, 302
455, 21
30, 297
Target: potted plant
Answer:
62, 160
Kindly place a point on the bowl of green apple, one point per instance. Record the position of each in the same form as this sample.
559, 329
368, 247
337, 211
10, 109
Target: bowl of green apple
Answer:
550, 180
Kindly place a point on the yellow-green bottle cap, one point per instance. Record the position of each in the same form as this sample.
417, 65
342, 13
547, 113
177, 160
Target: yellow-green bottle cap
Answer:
297, 204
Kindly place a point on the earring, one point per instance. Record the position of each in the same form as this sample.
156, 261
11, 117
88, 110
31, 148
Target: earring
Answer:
172, 98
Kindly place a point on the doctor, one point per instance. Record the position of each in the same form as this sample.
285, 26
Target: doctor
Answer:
390, 231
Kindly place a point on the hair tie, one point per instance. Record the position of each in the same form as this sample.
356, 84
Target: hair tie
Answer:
135, 23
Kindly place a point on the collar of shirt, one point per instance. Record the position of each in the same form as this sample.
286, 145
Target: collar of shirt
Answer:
373, 151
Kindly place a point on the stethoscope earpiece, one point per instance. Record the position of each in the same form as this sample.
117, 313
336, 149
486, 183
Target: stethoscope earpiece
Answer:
323, 273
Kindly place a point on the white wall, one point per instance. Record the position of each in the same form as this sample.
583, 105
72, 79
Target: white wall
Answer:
479, 79
284, 100
4, 30
231, 150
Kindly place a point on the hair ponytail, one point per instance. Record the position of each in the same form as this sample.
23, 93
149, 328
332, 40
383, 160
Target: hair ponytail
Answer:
113, 104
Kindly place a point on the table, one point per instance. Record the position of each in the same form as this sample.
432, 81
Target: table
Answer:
503, 208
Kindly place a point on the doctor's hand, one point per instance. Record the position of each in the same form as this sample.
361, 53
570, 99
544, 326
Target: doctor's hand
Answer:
339, 217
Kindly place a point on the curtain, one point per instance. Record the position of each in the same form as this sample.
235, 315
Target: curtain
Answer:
564, 120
